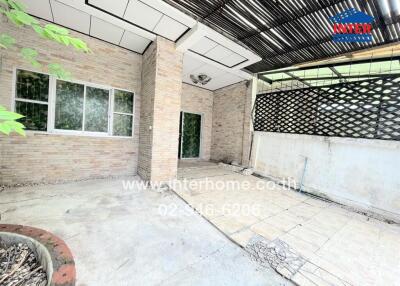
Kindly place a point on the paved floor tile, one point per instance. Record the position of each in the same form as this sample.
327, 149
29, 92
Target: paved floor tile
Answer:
342, 247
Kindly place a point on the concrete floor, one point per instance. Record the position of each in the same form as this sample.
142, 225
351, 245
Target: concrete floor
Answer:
125, 237
335, 246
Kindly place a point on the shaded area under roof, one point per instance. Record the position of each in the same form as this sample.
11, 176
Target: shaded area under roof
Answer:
287, 32
326, 75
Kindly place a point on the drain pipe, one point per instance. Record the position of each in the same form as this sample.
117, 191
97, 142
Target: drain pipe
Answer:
254, 88
304, 174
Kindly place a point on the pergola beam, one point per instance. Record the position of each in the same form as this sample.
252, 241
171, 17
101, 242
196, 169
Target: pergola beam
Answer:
335, 71
352, 62
218, 8
264, 78
332, 78
298, 79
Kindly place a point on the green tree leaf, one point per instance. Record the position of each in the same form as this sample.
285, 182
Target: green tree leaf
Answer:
15, 12
5, 128
20, 131
6, 41
59, 71
65, 40
16, 5
8, 122
3, 3
80, 45
57, 29
21, 18
38, 29
8, 115
31, 56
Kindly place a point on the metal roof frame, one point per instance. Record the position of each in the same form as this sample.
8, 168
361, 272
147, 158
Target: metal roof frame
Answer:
285, 33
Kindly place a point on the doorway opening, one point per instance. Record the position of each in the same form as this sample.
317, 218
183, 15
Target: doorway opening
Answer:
189, 135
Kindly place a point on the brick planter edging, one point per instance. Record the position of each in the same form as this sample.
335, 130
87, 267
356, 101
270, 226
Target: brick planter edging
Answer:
64, 273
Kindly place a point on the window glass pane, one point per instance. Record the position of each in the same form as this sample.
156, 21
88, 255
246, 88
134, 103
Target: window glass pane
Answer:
35, 115
69, 106
123, 101
96, 110
122, 125
33, 86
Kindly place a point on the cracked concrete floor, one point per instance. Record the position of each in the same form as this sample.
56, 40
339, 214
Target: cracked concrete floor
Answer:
126, 237
339, 247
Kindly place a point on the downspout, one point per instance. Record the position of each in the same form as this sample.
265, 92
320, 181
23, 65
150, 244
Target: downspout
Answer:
254, 89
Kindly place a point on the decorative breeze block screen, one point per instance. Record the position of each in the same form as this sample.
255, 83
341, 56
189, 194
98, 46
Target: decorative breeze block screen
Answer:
359, 109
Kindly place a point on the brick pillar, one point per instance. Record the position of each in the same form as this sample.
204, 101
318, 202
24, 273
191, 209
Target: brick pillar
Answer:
159, 114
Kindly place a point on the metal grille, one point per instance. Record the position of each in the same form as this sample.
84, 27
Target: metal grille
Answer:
359, 109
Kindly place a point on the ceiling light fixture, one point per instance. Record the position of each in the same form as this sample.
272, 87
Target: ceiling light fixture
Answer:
201, 78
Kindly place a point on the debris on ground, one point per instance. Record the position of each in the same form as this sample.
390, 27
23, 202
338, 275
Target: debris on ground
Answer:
20, 267
247, 171
276, 254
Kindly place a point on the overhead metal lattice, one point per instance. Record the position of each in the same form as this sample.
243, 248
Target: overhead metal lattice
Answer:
360, 109
327, 74
285, 32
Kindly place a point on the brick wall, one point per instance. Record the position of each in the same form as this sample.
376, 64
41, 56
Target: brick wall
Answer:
200, 100
230, 131
162, 90
51, 157
146, 111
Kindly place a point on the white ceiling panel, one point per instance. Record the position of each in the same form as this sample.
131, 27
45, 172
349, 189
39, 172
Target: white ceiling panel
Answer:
203, 46
218, 53
105, 31
142, 15
38, 8
222, 81
115, 7
190, 64
134, 42
169, 28
232, 60
209, 70
70, 17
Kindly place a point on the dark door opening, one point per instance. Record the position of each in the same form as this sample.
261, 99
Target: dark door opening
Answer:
189, 135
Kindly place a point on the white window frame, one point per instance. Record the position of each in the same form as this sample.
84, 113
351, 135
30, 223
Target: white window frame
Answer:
83, 131
122, 113
51, 104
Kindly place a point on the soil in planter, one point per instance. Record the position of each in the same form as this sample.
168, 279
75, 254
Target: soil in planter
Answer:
20, 267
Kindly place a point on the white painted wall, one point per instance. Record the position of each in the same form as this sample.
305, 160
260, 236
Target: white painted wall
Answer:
358, 172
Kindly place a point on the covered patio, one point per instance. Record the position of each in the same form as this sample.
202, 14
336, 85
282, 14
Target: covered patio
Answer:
196, 235
201, 142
